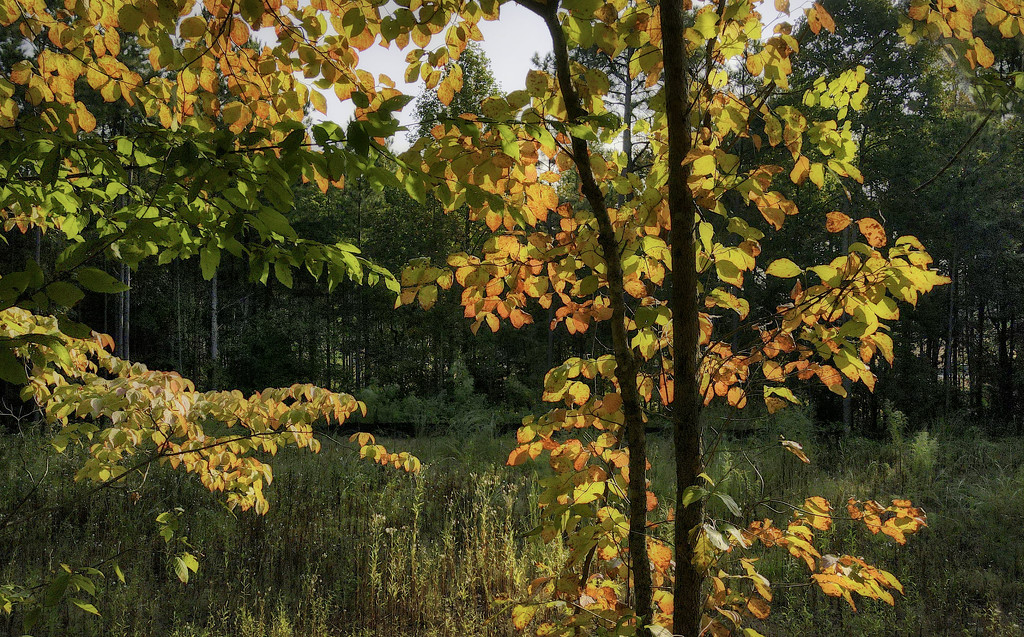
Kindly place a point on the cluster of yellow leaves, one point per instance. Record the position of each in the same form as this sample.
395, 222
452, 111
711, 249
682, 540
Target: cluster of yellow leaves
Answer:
370, 450
129, 416
253, 65
897, 520
956, 19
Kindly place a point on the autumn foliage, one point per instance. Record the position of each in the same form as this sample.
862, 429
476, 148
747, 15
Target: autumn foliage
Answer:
220, 90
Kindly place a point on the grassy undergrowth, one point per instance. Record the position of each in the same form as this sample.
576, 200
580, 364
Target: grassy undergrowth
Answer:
352, 549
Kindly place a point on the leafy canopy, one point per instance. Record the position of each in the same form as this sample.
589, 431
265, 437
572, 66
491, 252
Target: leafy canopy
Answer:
210, 163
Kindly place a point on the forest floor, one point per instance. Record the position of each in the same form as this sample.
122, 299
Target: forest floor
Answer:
352, 549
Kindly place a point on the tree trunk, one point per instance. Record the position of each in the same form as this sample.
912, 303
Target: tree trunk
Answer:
214, 323
685, 327
124, 315
177, 317
1005, 375
949, 374
978, 383
626, 366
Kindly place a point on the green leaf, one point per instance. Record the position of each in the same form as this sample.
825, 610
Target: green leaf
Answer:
717, 539
86, 606
192, 27
55, 591
190, 561
130, 18
692, 494
32, 617
64, 293
209, 259
96, 280
706, 24
72, 328
416, 189
12, 369
276, 222
283, 273
783, 268
119, 573
181, 569
729, 503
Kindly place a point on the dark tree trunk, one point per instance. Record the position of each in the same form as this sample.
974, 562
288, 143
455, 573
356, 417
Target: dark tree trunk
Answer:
687, 607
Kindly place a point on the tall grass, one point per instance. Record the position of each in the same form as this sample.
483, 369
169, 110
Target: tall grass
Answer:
352, 549
348, 548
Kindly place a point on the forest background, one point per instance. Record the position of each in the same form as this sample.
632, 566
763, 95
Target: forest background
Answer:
943, 425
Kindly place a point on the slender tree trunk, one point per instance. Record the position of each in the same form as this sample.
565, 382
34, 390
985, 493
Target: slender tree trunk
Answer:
626, 365
124, 311
948, 371
177, 316
119, 325
1005, 376
979, 356
214, 323
687, 607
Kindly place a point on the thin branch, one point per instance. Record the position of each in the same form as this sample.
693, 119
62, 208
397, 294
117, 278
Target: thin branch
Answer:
957, 154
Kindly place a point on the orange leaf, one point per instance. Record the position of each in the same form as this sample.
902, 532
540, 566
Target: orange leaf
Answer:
872, 231
519, 455
661, 555
758, 607
652, 501
836, 221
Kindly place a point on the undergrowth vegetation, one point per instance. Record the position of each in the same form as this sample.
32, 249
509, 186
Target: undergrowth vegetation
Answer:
351, 549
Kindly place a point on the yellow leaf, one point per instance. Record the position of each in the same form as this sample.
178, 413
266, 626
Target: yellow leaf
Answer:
796, 449
522, 615
319, 101
704, 165
983, 54
817, 174
445, 92
800, 170
427, 296
783, 268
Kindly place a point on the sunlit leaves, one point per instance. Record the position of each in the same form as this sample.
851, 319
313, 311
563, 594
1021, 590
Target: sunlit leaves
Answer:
129, 412
872, 231
783, 268
898, 520
796, 449
185, 564
837, 221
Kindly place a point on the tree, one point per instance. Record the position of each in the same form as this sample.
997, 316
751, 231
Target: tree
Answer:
471, 81
699, 206
178, 186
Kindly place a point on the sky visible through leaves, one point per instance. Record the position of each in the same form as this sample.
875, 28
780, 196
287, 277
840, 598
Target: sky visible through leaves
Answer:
510, 44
